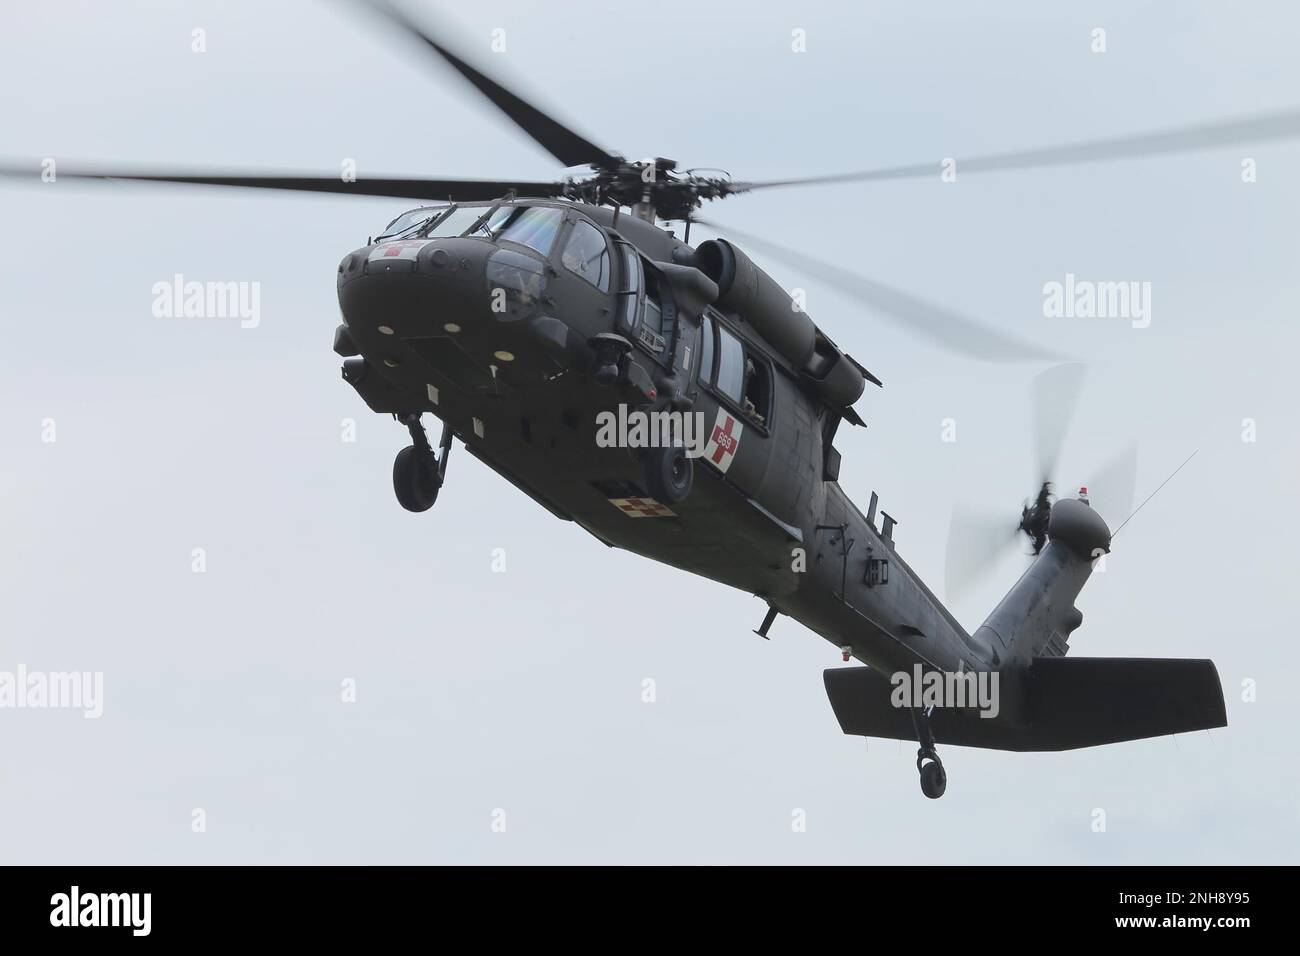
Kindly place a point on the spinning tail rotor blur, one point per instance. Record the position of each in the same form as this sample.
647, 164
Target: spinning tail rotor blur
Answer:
980, 537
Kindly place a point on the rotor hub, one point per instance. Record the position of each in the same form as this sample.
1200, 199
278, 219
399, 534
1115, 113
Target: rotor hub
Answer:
648, 184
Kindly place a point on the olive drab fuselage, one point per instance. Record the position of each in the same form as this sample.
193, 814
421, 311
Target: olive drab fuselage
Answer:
495, 320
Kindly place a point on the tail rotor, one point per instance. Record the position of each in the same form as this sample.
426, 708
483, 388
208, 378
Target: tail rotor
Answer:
979, 538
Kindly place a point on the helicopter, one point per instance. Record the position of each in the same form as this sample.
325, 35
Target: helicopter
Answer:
518, 313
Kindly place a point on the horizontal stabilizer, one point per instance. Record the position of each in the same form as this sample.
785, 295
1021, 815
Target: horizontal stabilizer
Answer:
1086, 701
1059, 703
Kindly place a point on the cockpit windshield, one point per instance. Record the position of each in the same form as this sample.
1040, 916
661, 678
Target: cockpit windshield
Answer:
535, 227
495, 222
532, 226
442, 221
408, 221
456, 222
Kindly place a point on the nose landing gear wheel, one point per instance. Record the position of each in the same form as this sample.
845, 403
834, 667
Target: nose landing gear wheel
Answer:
415, 479
417, 471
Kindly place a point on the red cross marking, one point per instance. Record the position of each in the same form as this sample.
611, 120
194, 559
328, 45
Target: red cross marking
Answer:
726, 443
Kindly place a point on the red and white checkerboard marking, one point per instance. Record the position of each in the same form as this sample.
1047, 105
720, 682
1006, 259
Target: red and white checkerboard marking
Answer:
724, 441
642, 508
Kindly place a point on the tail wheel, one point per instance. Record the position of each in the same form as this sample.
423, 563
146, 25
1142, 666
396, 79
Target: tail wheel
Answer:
934, 779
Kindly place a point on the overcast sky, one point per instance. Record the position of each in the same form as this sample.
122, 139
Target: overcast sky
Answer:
522, 691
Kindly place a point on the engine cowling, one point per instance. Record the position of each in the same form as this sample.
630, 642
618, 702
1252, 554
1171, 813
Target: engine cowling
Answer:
746, 289
833, 375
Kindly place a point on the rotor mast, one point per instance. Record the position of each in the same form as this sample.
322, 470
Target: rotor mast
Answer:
652, 173
643, 210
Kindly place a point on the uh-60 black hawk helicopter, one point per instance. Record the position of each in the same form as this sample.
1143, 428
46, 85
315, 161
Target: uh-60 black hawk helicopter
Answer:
518, 312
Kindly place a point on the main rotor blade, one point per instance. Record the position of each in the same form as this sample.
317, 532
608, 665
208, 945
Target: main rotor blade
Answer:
1053, 396
453, 190
1262, 128
948, 329
553, 136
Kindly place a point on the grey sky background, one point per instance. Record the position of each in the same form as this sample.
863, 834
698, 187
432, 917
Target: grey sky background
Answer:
479, 690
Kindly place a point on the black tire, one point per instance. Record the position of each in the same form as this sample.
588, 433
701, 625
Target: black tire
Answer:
934, 780
669, 474
415, 480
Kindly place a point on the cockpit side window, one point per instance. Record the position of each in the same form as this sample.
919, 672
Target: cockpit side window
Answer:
587, 254
535, 227
654, 310
706, 351
647, 313
631, 290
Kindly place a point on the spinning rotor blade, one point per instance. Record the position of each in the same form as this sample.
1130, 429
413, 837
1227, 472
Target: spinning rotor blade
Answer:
948, 329
977, 541
455, 190
1053, 396
1262, 128
553, 136
1111, 487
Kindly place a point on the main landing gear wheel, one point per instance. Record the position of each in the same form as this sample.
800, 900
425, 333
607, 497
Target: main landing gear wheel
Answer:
669, 473
417, 471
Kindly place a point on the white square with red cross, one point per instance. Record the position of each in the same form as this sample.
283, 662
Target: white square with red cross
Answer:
724, 440
642, 508
403, 249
